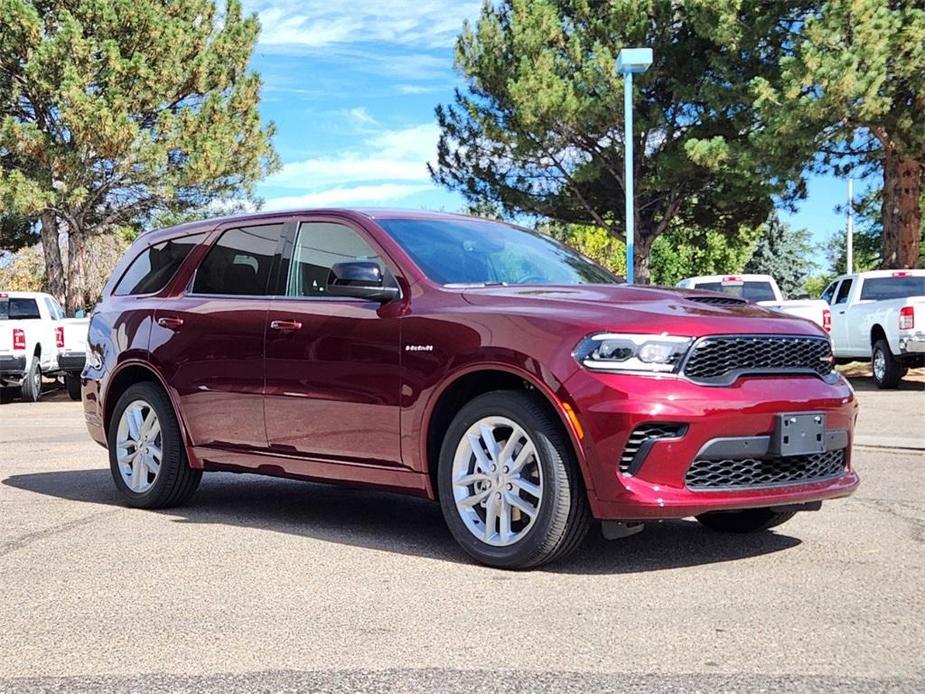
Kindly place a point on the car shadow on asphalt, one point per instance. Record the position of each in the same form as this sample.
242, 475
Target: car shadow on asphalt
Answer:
401, 524
863, 383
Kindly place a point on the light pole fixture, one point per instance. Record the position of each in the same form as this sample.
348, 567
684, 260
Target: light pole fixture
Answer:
630, 61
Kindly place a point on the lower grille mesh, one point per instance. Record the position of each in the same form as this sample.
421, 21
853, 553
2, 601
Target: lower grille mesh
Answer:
643, 433
763, 472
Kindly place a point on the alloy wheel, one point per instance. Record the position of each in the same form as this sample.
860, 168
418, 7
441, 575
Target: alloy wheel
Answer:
139, 446
497, 481
879, 365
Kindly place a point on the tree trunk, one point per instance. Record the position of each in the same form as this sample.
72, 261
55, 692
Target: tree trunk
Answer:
54, 268
76, 247
902, 212
642, 251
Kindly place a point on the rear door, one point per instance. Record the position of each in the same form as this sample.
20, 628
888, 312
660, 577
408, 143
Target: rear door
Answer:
209, 341
332, 364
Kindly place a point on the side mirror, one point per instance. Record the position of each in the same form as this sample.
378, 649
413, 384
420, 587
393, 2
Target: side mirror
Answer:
361, 280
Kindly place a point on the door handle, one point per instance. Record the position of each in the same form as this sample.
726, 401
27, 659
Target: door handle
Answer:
170, 322
286, 326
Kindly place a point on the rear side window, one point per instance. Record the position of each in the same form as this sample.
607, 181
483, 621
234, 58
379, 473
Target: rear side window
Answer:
156, 265
239, 263
19, 309
880, 288
320, 246
843, 291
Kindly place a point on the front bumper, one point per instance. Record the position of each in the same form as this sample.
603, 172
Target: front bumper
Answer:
611, 406
72, 362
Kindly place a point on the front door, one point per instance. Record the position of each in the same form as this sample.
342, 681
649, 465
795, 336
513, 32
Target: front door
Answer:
332, 363
209, 341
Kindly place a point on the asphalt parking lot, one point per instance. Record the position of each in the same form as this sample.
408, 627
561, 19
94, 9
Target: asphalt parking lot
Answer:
263, 584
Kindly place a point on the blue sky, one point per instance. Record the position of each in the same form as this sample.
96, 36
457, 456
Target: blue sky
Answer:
352, 89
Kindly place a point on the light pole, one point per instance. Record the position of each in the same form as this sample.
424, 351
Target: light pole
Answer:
629, 61
849, 243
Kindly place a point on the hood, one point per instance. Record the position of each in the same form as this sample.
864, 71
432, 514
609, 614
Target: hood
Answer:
644, 309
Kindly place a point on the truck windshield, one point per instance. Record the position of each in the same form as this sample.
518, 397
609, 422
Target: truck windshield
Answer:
750, 291
897, 287
477, 252
19, 309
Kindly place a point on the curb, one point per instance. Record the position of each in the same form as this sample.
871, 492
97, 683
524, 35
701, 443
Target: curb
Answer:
895, 442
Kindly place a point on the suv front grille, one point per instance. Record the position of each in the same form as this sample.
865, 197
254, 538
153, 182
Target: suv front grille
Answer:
764, 472
720, 360
640, 435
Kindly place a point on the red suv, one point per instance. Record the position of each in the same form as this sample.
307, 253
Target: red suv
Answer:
464, 360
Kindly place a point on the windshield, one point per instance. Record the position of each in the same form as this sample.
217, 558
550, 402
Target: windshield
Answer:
899, 287
750, 291
470, 251
19, 309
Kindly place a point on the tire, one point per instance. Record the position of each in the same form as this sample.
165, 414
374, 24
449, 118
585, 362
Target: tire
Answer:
561, 516
747, 521
32, 382
174, 481
888, 370
72, 382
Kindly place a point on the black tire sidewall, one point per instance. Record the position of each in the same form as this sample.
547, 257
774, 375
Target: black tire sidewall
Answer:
72, 383
555, 461
174, 456
892, 369
29, 391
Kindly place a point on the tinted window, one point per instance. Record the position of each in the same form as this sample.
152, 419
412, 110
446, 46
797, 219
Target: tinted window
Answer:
156, 265
240, 261
19, 309
470, 251
750, 291
829, 293
319, 246
843, 290
879, 288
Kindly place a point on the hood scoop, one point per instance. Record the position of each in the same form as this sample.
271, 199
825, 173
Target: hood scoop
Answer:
717, 300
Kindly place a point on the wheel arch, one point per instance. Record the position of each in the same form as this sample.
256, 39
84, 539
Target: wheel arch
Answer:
475, 381
877, 333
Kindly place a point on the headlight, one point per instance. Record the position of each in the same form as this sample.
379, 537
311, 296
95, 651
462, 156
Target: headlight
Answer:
643, 353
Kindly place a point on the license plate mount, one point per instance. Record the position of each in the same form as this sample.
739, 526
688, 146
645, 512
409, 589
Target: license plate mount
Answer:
799, 434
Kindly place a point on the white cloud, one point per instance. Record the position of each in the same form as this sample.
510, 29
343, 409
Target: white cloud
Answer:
389, 165
319, 23
361, 115
347, 197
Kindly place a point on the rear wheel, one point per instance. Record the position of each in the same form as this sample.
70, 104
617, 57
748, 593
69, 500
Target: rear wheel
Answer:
509, 485
888, 370
747, 521
72, 381
146, 454
32, 382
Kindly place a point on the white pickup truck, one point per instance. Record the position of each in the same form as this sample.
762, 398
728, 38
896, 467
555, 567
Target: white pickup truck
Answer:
763, 290
879, 316
36, 340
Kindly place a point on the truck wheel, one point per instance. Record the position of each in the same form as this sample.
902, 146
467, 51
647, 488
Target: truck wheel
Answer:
509, 484
32, 382
748, 521
146, 453
888, 370
72, 381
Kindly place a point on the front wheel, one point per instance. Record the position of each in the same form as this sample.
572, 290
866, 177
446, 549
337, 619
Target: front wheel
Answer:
888, 370
748, 521
509, 484
146, 453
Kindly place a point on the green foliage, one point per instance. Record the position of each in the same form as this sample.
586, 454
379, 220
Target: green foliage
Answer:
23, 271
591, 241
681, 253
851, 95
783, 253
816, 284
112, 111
538, 130
16, 231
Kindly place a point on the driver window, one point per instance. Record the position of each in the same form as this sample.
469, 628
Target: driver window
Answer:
318, 247
843, 291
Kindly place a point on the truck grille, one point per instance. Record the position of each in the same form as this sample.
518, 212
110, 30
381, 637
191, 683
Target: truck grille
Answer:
764, 472
643, 433
720, 360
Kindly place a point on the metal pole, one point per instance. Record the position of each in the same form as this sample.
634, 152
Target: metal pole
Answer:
849, 261
628, 173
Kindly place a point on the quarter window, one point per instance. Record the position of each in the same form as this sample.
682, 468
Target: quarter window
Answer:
829, 293
239, 263
156, 265
320, 246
